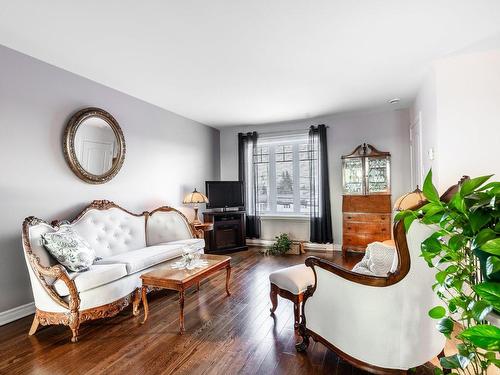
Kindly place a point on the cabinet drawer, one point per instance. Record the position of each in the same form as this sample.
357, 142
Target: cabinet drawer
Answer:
360, 239
367, 228
367, 203
365, 217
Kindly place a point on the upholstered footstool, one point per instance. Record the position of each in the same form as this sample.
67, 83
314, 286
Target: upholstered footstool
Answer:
291, 283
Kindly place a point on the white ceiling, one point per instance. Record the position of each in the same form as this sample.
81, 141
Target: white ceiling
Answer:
231, 62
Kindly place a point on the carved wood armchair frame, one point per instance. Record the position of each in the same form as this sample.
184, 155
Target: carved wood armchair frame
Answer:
374, 281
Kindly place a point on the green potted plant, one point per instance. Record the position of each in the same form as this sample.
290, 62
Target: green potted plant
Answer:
465, 250
281, 246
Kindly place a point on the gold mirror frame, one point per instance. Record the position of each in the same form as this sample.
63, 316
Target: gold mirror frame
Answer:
69, 145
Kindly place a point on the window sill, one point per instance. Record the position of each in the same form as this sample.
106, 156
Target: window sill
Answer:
285, 217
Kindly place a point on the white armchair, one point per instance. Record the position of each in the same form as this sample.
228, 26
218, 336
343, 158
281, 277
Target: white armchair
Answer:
377, 323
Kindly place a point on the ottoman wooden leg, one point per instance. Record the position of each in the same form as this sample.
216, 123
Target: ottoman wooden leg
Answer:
296, 309
296, 314
274, 297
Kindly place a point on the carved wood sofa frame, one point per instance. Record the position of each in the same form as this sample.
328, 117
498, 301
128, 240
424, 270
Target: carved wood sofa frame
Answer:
374, 281
75, 317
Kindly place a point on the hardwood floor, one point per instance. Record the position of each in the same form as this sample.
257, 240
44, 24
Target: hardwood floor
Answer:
224, 335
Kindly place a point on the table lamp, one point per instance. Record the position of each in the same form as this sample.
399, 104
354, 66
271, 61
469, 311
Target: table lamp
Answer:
195, 198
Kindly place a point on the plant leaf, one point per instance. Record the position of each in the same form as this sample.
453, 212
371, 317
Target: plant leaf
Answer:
484, 236
445, 326
408, 220
492, 357
468, 186
490, 185
492, 265
437, 312
490, 292
480, 309
457, 201
431, 245
441, 277
450, 362
479, 219
429, 190
492, 246
402, 214
483, 336
433, 209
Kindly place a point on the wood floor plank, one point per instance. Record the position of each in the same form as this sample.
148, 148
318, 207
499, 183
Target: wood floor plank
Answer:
224, 335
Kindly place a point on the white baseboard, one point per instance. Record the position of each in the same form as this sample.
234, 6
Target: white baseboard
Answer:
307, 245
17, 313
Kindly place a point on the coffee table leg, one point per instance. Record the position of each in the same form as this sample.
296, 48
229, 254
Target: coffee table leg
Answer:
228, 275
181, 312
145, 303
137, 301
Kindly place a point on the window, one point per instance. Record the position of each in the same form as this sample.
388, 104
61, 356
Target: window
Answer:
282, 170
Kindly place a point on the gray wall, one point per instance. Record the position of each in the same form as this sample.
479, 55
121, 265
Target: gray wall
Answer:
167, 156
386, 130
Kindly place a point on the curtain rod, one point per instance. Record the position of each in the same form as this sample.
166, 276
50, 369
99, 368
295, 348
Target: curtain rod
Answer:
282, 132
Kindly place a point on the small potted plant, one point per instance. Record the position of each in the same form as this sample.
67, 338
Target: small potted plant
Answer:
281, 246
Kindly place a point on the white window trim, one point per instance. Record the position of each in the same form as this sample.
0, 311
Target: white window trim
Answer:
271, 142
285, 217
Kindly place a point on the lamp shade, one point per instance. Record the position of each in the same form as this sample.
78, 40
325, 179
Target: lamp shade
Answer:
195, 197
409, 200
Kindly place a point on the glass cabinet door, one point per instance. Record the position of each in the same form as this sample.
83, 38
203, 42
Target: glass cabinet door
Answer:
352, 175
378, 175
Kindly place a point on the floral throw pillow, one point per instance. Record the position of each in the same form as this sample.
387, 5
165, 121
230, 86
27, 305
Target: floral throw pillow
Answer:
69, 249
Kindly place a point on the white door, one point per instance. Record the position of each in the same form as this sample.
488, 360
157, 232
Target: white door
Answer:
417, 177
97, 157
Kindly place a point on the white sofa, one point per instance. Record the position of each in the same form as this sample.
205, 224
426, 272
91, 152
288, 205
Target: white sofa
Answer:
129, 245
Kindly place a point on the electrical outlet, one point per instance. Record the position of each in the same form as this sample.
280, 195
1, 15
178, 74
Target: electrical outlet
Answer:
430, 153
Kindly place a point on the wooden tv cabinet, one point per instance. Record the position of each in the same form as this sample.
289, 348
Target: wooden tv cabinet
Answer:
228, 232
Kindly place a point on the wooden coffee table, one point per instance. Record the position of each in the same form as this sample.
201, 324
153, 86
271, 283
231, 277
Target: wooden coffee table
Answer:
165, 277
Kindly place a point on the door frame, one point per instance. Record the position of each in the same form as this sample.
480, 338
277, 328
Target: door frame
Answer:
416, 123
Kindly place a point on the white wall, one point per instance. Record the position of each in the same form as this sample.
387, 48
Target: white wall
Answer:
461, 115
167, 156
386, 130
425, 108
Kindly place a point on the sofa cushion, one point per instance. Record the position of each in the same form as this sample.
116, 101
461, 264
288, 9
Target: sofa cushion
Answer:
166, 226
112, 231
140, 259
97, 275
362, 267
35, 233
72, 251
295, 279
108, 293
380, 259
193, 243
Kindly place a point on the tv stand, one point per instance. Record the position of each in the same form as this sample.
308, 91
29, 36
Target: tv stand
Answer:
228, 234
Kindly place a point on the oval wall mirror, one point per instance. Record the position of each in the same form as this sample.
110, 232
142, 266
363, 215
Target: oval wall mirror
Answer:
94, 146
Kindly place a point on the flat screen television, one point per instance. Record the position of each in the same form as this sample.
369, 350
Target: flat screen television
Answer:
224, 194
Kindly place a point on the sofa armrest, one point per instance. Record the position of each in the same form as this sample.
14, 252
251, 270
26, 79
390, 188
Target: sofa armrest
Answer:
378, 281
57, 272
355, 277
197, 233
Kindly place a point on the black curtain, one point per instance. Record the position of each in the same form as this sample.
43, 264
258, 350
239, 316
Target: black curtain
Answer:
320, 211
247, 144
